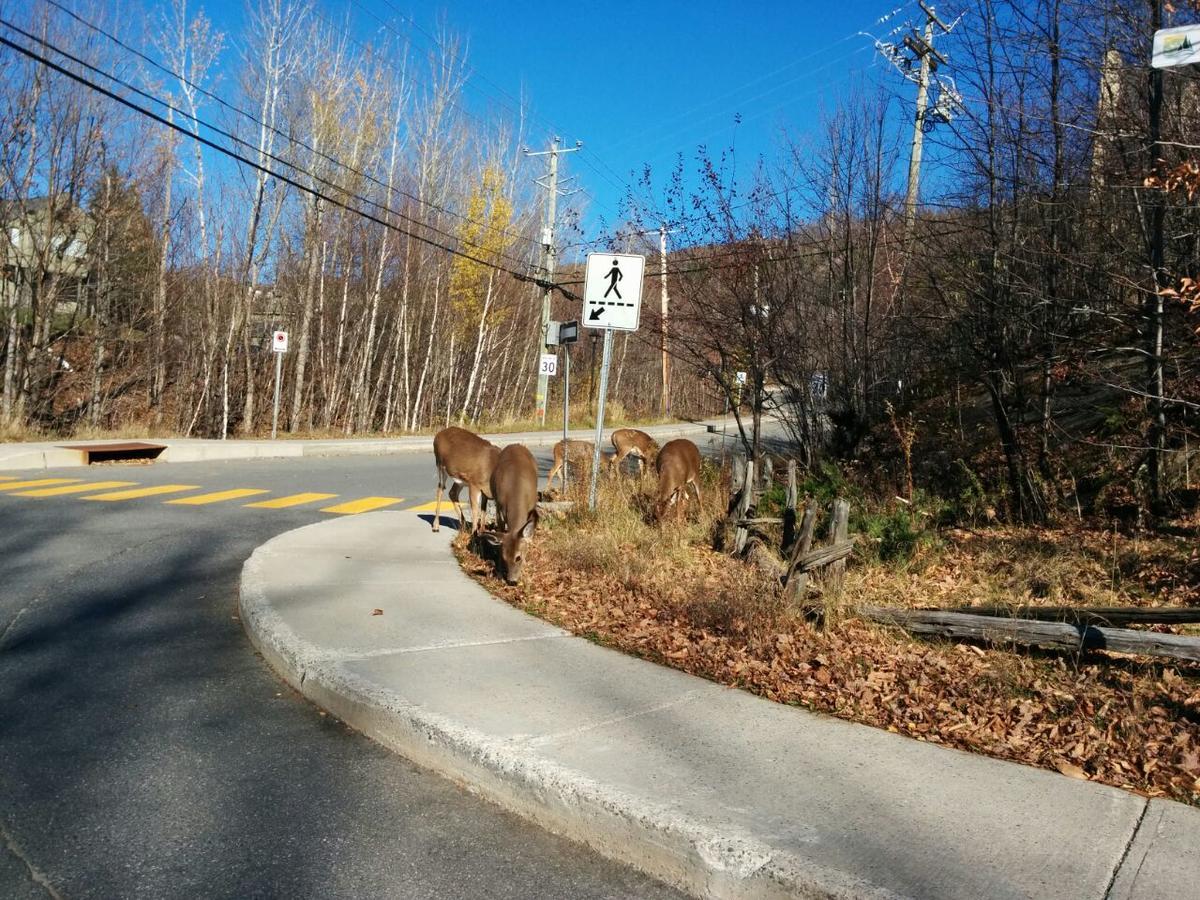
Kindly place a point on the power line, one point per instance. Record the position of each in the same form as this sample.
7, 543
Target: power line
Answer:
816, 244
514, 107
248, 115
150, 114
248, 145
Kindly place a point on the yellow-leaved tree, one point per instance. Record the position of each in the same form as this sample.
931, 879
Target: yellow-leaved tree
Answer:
483, 235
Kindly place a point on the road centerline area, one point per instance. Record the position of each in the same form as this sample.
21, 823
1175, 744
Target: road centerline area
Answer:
290, 501
75, 489
37, 482
366, 504
137, 493
218, 496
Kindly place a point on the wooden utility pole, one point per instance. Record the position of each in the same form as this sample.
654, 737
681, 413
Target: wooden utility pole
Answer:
922, 47
549, 257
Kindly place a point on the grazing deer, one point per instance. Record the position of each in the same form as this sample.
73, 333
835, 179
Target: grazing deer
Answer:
514, 487
566, 452
631, 442
678, 465
467, 459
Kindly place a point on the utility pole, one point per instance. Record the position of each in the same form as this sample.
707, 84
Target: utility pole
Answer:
549, 258
916, 49
929, 59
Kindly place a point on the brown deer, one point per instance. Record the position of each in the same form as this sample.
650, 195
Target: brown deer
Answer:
467, 459
631, 442
514, 487
678, 466
567, 452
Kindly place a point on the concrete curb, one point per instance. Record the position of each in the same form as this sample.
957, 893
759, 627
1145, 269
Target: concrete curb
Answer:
673, 775
44, 455
632, 830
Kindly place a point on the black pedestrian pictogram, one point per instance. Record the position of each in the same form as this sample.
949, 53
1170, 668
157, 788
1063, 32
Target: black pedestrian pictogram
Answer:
614, 275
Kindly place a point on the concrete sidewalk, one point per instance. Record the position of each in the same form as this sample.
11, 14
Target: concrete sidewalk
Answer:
56, 454
709, 788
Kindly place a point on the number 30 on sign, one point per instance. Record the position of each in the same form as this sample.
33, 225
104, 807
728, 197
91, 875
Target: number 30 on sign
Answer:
549, 364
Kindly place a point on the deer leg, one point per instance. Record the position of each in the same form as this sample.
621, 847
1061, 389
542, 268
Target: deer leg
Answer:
455, 491
437, 504
476, 514
554, 471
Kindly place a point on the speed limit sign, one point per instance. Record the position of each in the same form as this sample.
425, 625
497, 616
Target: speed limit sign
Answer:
549, 364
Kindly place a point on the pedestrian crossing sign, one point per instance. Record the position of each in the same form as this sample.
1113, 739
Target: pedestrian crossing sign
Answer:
612, 291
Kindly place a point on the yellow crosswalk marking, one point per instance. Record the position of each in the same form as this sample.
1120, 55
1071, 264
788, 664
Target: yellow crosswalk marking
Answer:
291, 500
8, 477
366, 504
144, 492
75, 489
218, 497
40, 482
428, 507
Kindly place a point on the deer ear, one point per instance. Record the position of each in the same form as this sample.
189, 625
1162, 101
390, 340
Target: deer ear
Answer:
530, 525
489, 538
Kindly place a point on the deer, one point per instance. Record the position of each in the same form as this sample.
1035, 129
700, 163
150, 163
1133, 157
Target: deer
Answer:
678, 465
514, 487
566, 452
631, 442
467, 459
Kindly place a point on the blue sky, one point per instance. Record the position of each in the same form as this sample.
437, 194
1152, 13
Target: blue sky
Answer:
640, 83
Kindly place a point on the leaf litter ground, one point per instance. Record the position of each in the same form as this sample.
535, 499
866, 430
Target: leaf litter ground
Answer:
665, 596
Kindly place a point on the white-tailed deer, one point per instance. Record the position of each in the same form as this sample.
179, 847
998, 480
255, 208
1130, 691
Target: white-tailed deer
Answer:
514, 487
631, 442
570, 452
678, 465
468, 460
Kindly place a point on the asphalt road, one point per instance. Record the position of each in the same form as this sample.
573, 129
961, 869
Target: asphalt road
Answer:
147, 751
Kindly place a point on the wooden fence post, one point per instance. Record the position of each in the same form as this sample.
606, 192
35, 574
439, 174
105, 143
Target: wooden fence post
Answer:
745, 501
797, 580
789, 512
839, 532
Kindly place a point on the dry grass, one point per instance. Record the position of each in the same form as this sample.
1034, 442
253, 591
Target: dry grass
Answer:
665, 595
1039, 567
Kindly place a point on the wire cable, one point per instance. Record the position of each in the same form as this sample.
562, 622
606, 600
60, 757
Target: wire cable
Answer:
150, 114
253, 118
248, 145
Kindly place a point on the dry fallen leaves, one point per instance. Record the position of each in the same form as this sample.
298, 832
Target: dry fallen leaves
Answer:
1071, 769
377, 612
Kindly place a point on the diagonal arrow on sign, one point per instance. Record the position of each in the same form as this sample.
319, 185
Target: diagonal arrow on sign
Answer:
595, 313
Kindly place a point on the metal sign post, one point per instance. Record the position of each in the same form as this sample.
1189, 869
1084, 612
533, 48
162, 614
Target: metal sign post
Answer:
608, 342
566, 333
279, 345
612, 300
566, 411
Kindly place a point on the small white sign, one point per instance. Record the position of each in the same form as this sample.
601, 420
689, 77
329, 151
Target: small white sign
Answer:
1176, 46
549, 364
741, 377
612, 291
279, 341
